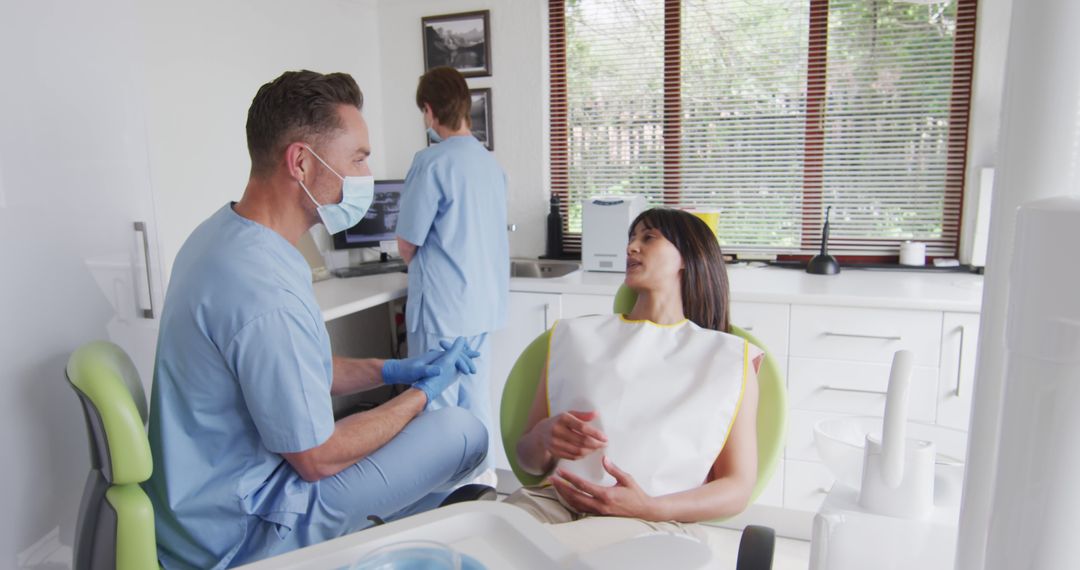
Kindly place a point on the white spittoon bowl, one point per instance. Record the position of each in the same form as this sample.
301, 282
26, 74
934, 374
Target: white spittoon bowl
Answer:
840, 442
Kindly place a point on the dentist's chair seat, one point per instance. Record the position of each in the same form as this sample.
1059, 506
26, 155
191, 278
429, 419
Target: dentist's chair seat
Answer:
756, 548
115, 528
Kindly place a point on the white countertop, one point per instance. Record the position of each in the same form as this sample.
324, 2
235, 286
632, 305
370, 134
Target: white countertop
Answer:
960, 292
338, 297
851, 287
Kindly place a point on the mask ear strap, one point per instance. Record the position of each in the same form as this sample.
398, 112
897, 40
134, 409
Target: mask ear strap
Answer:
306, 191
316, 155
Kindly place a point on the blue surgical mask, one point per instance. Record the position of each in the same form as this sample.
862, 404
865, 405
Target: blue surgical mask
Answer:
433, 135
357, 192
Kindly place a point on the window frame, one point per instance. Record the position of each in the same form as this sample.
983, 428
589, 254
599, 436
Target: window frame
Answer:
814, 149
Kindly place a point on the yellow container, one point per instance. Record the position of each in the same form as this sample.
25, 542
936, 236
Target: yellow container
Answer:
711, 219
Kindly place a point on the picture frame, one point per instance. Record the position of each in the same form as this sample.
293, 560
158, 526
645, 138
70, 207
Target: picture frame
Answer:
481, 115
461, 41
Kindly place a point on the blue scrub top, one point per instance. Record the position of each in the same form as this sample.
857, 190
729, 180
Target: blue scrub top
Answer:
243, 373
454, 208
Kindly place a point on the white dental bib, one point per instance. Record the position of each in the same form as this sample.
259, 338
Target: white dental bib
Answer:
666, 395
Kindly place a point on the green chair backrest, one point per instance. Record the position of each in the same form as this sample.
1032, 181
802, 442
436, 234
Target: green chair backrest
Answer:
521, 385
115, 528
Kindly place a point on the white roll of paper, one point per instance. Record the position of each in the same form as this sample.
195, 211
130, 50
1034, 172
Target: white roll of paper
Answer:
913, 253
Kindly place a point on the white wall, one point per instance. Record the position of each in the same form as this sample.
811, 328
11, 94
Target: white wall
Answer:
518, 91
204, 62
991, 40
107, 105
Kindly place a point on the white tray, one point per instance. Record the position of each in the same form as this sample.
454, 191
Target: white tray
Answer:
497, 535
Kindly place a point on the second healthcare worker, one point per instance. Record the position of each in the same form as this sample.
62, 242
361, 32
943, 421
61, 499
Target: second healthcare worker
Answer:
452, 233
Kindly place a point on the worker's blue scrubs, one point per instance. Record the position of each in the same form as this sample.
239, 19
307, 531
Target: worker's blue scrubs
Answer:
243, 374
454, 208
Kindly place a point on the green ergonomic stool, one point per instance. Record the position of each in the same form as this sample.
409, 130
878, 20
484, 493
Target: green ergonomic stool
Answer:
756, 548
115, 528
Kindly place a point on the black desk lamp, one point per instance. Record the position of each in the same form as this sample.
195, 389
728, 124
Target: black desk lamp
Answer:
823, 263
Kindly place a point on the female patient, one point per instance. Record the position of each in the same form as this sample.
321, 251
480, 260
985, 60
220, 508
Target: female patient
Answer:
647, 418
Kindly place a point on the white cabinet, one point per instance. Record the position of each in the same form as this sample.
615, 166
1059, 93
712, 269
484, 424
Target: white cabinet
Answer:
956, 377
528, 315
766, 321
839, 365
576, 305
870, 335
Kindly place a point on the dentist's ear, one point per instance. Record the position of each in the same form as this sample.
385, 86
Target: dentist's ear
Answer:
297, 160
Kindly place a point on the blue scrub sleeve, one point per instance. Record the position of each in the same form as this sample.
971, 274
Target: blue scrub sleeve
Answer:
284, 372
420, 202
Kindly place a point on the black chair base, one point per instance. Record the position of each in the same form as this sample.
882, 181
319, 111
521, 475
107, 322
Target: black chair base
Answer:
470, 492
756, 548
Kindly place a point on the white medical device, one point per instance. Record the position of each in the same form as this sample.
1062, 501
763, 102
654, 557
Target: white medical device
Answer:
605, 221
897, 518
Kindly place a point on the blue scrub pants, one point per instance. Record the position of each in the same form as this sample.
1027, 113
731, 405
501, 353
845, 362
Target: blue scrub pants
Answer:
471, 392
412, 473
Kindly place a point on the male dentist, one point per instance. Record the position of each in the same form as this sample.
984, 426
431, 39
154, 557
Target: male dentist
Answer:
248, 460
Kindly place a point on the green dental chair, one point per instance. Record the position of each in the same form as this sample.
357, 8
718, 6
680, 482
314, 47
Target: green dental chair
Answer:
756, 547
115, 526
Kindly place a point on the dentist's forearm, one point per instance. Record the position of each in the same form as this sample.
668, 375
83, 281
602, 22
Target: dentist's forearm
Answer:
353, 375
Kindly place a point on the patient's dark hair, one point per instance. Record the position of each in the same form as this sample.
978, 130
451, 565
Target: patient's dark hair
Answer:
297, 106
704, 278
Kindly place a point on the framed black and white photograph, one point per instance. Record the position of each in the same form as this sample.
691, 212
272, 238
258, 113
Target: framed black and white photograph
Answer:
481, 117
461, 41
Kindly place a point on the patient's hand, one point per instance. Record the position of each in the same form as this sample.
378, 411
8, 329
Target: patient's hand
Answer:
569, 436
624, 499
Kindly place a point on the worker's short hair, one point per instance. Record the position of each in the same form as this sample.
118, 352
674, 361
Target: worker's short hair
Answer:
444, 88
297, 106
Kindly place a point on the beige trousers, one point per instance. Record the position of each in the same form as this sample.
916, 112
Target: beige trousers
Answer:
582, 532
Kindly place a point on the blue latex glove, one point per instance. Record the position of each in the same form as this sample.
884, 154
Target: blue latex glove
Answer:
465, 364
409, 370
432, 386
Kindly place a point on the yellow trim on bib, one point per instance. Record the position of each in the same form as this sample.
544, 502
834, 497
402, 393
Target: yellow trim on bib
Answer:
742, 391
623, 318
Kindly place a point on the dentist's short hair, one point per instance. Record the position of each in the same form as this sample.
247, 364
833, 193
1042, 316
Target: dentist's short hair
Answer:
298, 106
444, 88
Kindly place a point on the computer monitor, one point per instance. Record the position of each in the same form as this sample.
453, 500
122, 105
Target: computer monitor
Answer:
379, 223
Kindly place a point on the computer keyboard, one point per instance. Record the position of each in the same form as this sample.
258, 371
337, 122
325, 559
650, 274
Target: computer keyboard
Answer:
372, 268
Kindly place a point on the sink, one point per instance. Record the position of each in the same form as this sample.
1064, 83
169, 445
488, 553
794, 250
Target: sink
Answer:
542, 268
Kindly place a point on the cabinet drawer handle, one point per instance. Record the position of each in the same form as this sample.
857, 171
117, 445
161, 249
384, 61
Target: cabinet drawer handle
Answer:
853, 335
747, 328
140, 227
856, 390
959, 362
821, 491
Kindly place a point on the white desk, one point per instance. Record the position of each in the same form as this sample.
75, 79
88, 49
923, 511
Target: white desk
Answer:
499, 536
339, 297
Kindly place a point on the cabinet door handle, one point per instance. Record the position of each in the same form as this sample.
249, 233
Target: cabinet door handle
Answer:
140, 227
747, 328
853, 335
855, 390
546, 306
959, 361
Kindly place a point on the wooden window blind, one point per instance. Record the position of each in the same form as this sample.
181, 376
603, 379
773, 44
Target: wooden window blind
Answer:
768, 111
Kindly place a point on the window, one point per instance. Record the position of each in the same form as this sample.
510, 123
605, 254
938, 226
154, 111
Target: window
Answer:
768, 111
